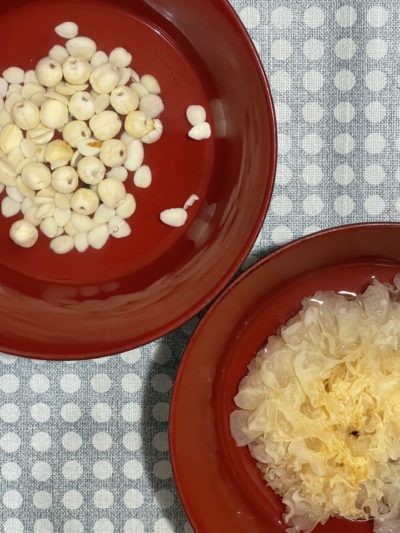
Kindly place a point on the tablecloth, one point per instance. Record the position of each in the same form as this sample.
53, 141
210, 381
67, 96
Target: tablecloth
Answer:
84, 445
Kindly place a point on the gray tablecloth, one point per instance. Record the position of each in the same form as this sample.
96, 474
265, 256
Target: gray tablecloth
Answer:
84, 445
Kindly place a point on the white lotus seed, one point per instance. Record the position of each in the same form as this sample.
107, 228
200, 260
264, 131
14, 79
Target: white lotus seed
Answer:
38, 99
25, 115
62, 216
140, 89
135, 156
196, 114
65, 180
76, 70
75, 159
70, 229
63, 201
66, 89
36, 176
14, 88
82, 223
49, 227
105, 125
24, 234
26, 204
7, 173
89, 147
49, 72
191, 201
28, 148
135, 76
98, 59
104, 78
155, 134
118, 173
101, 102
23, 189
137, 125
81, 242
5, 118
124, 100
127, 208
58, 150
85, 201
30, 216
11, 100
44, 211
200, 131
81, 47
15, 194
124, 76
44, 196
175, 218
9, 207
16, 156
3, 87
40, 135
98, 236
118, 228
30, 77
62, 244
76, 131
1, 104
143, 177
53, 95
152, 105
53, 114
103, 214
14, 75
120, 57
111, 192
81, 106
30, 89
113, 153
10, 137
91, 170
151, 84
58, 53
67, 30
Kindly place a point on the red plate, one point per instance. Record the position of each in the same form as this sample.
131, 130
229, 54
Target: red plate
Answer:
137, 289
220, 485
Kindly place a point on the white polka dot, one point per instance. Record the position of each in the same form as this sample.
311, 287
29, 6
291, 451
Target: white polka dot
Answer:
374, 205
284, 143
313, 112
73, 526
11, 471
343, 205
376, 48
374, 174
313, 80
132, 357
375, 112
100, 383
161, 354
312, 143
343, 143
12, 499
131, 412
345, 49
103, 470
131, 383
101, 412
281, 81
163, 525
133, 525
71, 441
132, 441
282, 17
375, 143
283, 174
281, 49
313, 205
102, 441
133, 469
7, 359
250, 17
133, 499
164, 499
9, 413
41, 471
344, 112
160, 441
40, 412
39, 383
13, 525
312, 175
377, 16
281, 235
103, 525
314, 17
41, 441
9, 383
283, 112
70, 383
43, 525
376, 80
72, 499
10, 442
345, 80
103, 499
343, 175
42, 499
162, 470
72, 470
313, 49
71, 412
346, 16
281, 205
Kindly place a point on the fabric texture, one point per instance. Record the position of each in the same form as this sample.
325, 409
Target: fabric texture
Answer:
84, 446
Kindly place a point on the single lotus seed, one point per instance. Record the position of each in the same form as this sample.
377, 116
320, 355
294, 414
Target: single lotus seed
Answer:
98, 237
119, 173
174, 217
124, 100
81, 242
49, 227
62, 244
58, 53
127, 208
36, 176
137, 125
155, 134
151, 84
113, 153
58, 151
14, 75
81, 106
10, 137
24, 234
196, 114
104, 78
81, 47
103, 214
91, 170
143, 178
120, 57
67, 30
85, 201
53, 114
151, 105
98, 59
118, 228
76, 131
200, 131
111, 192
9, 207
76, 70
49, 72
105, 125
65, 180
135, 156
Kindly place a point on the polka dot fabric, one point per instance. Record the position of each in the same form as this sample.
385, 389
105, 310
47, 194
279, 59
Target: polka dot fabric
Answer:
84, 446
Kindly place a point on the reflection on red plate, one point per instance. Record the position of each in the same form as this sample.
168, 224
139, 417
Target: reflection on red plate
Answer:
137, 289
220, 485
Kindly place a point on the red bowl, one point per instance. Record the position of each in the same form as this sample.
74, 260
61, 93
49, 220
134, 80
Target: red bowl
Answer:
137, 289
220, 486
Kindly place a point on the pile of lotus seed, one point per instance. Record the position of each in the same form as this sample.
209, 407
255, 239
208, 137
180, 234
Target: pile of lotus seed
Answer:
63, 161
